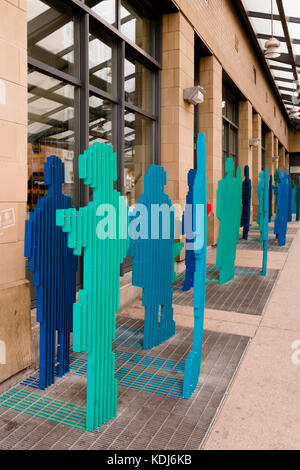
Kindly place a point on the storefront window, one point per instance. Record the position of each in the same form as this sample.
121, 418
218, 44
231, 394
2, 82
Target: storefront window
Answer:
137, 26
138, 154
106, 9
51, 118
101, 65
51, 37
101, 126
230, 127
139, 85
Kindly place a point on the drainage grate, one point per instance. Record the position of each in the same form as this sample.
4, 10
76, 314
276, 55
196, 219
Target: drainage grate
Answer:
44, 407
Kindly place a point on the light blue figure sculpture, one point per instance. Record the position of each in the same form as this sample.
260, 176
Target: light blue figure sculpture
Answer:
54, 274
281, 221
100, 230
152, 253
190, 262
246, 203
193, 361
270, 198
263, 214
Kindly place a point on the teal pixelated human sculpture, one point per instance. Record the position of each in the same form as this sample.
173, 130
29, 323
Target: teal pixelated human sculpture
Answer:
277, 181
153, 258
199, 202
100, 230
263, 195
229, 200
282, 213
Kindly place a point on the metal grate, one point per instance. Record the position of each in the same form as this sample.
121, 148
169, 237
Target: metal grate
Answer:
44, 407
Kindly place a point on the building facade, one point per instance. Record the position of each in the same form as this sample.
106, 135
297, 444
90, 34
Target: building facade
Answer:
76, 72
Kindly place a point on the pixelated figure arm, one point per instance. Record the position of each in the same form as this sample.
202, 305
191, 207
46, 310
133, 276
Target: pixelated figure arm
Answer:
74, 223
82, 332
126, 246
31, 246
177, 249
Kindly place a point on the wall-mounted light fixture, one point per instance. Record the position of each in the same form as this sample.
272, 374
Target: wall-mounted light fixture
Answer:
194, 95
293, 112
275, 159
254, 142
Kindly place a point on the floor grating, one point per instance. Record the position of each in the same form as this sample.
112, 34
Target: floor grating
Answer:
54, 419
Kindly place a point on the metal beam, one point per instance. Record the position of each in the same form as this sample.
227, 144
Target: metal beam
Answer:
268, 16
288, 39
280, 38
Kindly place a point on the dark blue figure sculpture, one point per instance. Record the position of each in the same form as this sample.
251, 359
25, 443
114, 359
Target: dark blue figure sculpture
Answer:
186, 227
281, 221
54, 274
271, 198
290, 200
193, 361
152, 253
246, 203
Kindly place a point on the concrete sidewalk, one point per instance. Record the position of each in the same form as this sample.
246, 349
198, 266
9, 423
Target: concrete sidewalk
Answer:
262, 409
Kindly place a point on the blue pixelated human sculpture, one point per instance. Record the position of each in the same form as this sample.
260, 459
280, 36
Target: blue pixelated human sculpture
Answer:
190, 263
270, 198
152, 256
290, 200
193, 362
281, 221
277, 181
263, 214
54, 274
246, 203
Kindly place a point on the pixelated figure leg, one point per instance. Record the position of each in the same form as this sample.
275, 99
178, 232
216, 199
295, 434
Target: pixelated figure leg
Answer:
227, 270
189, 279
63, 354
151, 328
47, 358
167, 323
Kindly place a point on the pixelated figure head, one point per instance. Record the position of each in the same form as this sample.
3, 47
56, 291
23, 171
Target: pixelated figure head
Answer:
246, 172
98, 166
191, 177
229, 166
54, 173
155, 181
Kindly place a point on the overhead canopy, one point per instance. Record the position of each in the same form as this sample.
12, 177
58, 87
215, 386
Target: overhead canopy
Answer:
285, 69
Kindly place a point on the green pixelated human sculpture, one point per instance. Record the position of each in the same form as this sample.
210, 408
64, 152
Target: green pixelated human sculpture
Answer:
101, 231
229, 200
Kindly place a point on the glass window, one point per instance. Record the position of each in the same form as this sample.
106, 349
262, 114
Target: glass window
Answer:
101, 126
139, 153
138, 26
106, 9
139, 85
51, 125
101, 65
51, 37
230, 127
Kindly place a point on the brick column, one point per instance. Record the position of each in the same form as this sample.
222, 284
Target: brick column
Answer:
15, 328
281, 163
256, 162
177, 151
287, 162
210, 122
276, 153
